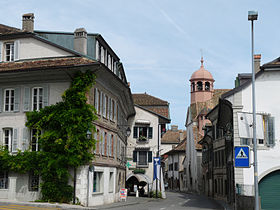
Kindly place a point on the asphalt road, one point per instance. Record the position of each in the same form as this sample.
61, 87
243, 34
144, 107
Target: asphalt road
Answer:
176, 201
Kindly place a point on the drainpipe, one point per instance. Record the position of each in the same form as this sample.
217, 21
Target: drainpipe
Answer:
74, 190
88, 185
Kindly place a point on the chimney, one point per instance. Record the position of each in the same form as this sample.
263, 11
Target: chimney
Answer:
80, 40
28, 22
257, 62
174, 128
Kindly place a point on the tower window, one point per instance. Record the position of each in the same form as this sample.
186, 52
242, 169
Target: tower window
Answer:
207, 86
199, 85
193, 86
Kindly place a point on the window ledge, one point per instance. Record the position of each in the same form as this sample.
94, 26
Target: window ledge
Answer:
97, 193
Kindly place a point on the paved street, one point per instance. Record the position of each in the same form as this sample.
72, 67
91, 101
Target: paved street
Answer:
174, 201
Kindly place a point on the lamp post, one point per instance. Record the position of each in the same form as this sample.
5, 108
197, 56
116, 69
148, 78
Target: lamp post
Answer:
253, 15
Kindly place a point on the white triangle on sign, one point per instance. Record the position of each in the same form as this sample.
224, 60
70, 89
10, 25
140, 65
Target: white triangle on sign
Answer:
241, 154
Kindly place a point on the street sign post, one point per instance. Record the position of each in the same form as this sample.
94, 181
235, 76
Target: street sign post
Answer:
242, 157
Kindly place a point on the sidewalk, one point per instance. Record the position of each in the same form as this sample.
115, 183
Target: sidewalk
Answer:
130, 201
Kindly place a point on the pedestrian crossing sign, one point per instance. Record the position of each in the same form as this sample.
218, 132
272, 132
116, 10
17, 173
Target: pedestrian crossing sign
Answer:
241, 157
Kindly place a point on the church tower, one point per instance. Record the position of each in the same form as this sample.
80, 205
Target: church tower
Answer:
202, 82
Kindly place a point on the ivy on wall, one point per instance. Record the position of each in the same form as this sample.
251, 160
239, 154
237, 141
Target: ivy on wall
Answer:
63, 143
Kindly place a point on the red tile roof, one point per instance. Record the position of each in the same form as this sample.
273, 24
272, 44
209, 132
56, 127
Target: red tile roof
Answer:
8, 30
45, 63
152, 103
144, 99
173, 137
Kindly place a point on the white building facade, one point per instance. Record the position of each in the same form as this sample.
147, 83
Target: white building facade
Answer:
36, 69
268, 145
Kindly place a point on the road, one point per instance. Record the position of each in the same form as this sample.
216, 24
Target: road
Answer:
176, 201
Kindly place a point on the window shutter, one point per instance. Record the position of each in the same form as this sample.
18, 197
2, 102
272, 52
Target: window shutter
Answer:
103, 143
135, 130
25, 140
150, 156
100, 141
16, 50
101, 103
115, 111
1, 47
15, 140
1, 99
26, 99
96, 100
134, 156
150, 135
17, 99
271, 131
115, 147
97, 50
45, 95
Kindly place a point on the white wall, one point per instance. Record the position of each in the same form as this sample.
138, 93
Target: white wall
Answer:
33, 48
151, 143
268, 102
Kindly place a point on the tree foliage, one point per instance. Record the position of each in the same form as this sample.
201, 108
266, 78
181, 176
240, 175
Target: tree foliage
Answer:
63, 142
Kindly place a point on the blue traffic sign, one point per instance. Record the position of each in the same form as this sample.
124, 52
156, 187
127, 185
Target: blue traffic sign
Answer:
241, 157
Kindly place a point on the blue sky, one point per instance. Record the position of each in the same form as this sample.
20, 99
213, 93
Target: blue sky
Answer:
160, 41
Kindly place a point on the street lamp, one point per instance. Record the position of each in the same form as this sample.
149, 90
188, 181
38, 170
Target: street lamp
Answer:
89, 134
128, 131
253, 15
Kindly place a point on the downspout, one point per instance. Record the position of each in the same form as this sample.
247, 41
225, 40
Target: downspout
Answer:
88, 186
74, 190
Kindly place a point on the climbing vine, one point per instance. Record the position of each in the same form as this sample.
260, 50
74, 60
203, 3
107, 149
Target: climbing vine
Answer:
63, 143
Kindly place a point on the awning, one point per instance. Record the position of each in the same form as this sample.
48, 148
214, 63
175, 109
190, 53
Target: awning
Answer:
144, 122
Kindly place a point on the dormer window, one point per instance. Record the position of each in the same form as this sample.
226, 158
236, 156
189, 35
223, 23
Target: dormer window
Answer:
9, 51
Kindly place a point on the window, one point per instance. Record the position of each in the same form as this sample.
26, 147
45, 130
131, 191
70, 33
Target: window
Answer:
193, 87
207, 86
35, 134
142, 158
97, 181
111, 182
37, 98
103, 142
244, 141
100, 139
110, 108
142, 133
9, 51
33, 181
261, 142
9, 100
199, 85
106, 106
176, 167
4, 180
113, 111
96, 99
97, 51
99, 102
8, 136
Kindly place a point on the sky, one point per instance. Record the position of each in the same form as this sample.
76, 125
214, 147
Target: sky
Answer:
160, 42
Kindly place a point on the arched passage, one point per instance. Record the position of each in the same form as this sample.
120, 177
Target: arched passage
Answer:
269, 190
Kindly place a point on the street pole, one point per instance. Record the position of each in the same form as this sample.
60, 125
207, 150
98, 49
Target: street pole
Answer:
156, 166
251, 17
